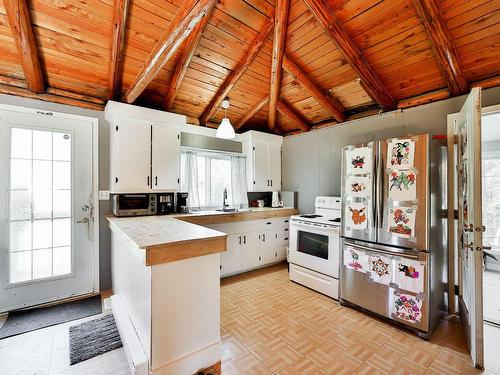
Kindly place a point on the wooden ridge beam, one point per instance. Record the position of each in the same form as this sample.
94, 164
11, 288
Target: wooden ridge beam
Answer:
293, 116
280, 27
331, 104
190, 13
233, 77
374, 86
120, 11
22, 31
247, 116
428, 11
181, 67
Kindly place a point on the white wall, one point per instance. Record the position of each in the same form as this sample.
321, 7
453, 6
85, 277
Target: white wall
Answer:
311, 161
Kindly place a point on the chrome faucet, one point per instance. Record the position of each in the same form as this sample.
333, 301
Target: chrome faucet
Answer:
224, 199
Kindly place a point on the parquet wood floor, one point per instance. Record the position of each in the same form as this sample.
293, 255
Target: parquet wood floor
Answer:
270, 325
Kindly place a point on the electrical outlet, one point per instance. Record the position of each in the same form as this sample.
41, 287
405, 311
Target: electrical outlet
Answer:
104, 195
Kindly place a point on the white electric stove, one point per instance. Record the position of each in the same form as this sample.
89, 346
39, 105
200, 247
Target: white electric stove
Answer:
315, 247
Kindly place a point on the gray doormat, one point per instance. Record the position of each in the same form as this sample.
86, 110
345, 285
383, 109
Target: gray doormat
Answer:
29, 320
92, 338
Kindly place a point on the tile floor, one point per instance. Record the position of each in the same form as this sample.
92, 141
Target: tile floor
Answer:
270, 325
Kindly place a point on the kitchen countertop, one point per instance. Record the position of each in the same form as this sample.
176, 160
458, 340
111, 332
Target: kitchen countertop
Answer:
171, 238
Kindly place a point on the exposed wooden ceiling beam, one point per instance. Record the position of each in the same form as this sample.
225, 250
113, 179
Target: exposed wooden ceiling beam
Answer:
331, 104
237, 72
247, 116
181, 67
428, 11
293, 116
350, 51
120, 10
190, 13
279, 41
20, 25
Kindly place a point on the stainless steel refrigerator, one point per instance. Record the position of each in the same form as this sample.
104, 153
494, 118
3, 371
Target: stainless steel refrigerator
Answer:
393, 230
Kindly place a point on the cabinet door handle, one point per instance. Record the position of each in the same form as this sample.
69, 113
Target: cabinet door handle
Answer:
264, 237
271, 182
268, 223
156, 180
148, 180
260, 258
239, 240
244, 239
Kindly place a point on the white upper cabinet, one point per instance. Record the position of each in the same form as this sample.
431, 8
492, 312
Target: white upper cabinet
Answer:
145, 149
165, 151
263, 152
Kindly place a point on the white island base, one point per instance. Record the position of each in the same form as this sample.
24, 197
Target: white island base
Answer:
168, 314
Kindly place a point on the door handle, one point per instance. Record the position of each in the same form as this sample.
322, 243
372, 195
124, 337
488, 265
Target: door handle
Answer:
148, 180
239, 242
271, 182
156, 180
264, 238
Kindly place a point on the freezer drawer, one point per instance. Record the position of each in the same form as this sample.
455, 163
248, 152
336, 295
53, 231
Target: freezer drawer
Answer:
389, 295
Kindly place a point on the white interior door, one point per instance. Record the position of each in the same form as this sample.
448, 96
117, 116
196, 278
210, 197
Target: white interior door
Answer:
470, 227
46, 208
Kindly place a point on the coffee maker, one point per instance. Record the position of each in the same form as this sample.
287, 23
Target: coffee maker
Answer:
181, 206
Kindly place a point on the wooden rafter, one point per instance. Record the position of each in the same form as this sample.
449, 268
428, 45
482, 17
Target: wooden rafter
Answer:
331, 104
350, 51
120, 10
237, 72
247, 116
293, 116
446, 56
279, 41
20, 25
181, 67
190, 13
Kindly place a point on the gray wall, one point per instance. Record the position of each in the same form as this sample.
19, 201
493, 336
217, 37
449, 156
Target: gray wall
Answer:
311, 161
104, 234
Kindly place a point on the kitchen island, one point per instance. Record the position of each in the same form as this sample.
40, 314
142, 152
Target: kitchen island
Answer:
166, 287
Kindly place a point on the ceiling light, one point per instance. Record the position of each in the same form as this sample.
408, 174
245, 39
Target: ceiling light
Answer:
225, 129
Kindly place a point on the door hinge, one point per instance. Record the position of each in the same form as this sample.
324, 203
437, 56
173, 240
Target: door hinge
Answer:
116, 128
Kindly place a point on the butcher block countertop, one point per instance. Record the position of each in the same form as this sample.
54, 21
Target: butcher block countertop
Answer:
175, 237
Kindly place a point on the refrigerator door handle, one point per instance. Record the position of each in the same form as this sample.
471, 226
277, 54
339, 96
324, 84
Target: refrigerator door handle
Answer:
374, 187
380, 186
366, 248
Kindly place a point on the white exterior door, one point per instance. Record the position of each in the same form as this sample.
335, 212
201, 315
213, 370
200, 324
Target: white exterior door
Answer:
470, 227
47, 231
165, 151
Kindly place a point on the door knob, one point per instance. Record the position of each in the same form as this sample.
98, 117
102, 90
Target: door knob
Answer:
85, 207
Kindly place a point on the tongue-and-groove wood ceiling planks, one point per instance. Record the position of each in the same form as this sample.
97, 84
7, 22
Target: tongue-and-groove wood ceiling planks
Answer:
338, 57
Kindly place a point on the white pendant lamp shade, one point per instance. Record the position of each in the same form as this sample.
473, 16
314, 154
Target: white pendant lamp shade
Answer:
225, 130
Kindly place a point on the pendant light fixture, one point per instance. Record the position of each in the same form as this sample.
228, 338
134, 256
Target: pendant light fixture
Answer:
225, 129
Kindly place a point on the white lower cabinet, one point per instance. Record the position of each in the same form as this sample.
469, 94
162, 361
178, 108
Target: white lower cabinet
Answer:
266, 243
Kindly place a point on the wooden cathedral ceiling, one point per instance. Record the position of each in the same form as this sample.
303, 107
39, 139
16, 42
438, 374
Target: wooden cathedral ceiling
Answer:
287, 65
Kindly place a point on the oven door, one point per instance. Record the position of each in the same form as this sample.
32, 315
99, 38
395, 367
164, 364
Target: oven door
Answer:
315, 247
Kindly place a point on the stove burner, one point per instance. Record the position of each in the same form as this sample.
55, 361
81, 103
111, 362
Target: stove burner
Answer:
337, 220
312, 216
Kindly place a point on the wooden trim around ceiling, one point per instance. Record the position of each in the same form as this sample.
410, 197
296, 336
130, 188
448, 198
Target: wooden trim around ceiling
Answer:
233, 77
428, 11
428, 97
190, 13
331, 104
120, 11
374, 86
280, 27
247, 116
293, 116
22, 31
181, 67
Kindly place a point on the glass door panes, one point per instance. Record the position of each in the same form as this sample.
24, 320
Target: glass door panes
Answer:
40, 204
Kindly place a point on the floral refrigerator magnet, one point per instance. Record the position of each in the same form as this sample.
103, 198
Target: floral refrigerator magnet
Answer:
400, 154
401, 221
380, 269
402, 185
356, 260
356, 214
410, 276
408, 308
359, 160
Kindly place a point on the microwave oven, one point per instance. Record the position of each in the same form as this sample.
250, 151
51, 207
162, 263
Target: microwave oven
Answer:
142, 204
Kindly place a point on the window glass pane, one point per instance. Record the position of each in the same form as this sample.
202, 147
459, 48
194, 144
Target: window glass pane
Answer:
62, 146
220, 179
42, 174
62, 175
20, 205
20, 174
42, 263
20, 266
20, 235
62, 232
62, 203
42, 145
42, 204
202, 183
62, 260
42, 234
20, 143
